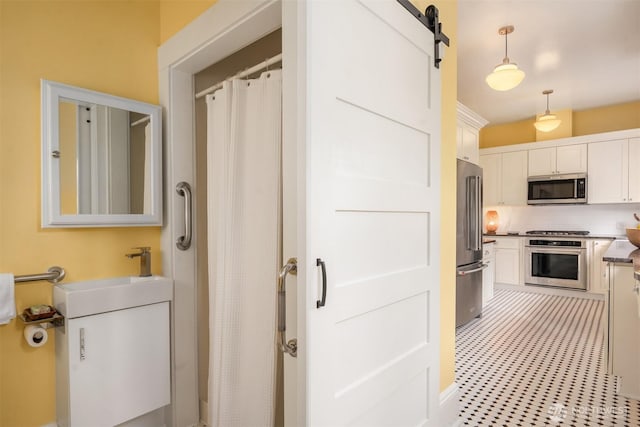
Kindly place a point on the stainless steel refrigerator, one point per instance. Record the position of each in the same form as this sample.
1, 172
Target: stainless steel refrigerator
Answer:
469, 264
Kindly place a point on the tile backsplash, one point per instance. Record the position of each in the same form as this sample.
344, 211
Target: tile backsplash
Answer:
598, 219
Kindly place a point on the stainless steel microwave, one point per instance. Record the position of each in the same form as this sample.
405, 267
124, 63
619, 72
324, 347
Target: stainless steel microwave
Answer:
557, 189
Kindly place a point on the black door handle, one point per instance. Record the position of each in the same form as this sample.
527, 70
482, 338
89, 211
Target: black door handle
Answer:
321, 302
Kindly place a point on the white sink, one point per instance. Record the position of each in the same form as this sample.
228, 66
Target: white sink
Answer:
100, 296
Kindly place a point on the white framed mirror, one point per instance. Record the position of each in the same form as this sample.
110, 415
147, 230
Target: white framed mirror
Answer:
101, 159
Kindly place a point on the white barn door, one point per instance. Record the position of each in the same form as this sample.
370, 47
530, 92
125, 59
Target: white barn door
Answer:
369, 207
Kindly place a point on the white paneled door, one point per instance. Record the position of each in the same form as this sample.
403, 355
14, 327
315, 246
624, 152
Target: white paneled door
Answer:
361, 192
372, 202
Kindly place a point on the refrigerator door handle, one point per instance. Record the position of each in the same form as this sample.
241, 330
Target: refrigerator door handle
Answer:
479, 213
475, 270
474, 220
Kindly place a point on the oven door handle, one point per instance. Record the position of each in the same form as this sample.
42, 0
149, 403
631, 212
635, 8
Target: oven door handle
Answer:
475, 270
554, 250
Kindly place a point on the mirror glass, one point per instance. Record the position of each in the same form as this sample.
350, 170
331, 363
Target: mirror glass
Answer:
101, 159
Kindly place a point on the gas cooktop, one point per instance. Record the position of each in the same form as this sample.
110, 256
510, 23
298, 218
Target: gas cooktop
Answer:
559, 232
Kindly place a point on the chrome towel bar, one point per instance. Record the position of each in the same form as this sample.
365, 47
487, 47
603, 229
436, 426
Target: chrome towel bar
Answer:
53, 275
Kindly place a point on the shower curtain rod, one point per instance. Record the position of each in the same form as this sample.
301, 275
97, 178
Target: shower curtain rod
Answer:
246, 72
140, 121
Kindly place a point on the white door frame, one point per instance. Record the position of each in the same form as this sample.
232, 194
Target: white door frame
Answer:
223, 29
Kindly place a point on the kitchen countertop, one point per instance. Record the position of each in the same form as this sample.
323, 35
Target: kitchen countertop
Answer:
589, 236
623, 251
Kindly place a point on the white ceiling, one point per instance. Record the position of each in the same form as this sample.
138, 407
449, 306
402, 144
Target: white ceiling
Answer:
587, 51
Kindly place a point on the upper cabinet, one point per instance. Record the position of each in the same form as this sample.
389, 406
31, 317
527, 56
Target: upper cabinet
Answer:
613, 173
504, 178
468, 134
558, 160
609, 160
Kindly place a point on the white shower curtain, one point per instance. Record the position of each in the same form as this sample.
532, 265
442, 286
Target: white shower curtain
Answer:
243, 177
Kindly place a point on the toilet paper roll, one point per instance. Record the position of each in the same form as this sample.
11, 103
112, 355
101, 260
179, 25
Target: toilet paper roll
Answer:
35, 335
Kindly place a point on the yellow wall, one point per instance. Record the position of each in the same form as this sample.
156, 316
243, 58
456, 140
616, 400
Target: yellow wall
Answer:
585, 122
605, 119
67, 112
448, 13
176, 14
506, 134
108, 46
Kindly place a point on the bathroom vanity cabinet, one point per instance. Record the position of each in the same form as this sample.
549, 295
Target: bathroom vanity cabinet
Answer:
112, 367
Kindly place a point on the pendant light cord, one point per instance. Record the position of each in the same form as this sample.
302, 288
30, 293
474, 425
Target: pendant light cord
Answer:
505, 46
547, 112
506, 59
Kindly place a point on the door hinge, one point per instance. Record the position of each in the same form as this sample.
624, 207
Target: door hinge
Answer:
430, 20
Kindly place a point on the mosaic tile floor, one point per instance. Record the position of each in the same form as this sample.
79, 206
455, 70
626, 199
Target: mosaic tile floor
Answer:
536, 360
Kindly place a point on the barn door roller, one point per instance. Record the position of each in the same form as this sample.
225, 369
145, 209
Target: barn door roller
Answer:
430, 20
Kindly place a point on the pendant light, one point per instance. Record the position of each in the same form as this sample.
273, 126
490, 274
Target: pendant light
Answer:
547, 122
507, 75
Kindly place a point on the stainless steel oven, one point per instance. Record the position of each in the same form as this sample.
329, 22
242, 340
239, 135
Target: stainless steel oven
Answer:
558, 262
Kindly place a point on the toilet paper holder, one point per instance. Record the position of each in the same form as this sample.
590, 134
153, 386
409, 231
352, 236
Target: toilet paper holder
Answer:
55, 321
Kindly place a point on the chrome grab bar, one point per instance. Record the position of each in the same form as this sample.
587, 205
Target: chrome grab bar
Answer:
465, 272
54, 275
184, 242
290, 346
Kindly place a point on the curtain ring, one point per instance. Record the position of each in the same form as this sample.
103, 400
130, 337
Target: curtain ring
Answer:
266, 63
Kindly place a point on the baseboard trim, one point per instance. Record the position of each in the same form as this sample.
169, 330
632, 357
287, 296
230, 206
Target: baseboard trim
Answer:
450, 406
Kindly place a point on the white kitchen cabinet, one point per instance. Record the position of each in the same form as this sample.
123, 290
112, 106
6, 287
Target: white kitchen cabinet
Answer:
624, 329
118, 366
558, 160
598, 272
634, 170
504, 178
613, 172
491, 165
467, 140
468, 134
489, 273
508, 257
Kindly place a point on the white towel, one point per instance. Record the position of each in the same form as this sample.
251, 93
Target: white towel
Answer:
7, 298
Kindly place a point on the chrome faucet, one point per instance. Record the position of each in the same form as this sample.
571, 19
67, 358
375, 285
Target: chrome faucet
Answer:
145, 260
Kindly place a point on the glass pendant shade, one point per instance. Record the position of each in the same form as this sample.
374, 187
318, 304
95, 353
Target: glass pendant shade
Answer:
505, 77
547, 122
